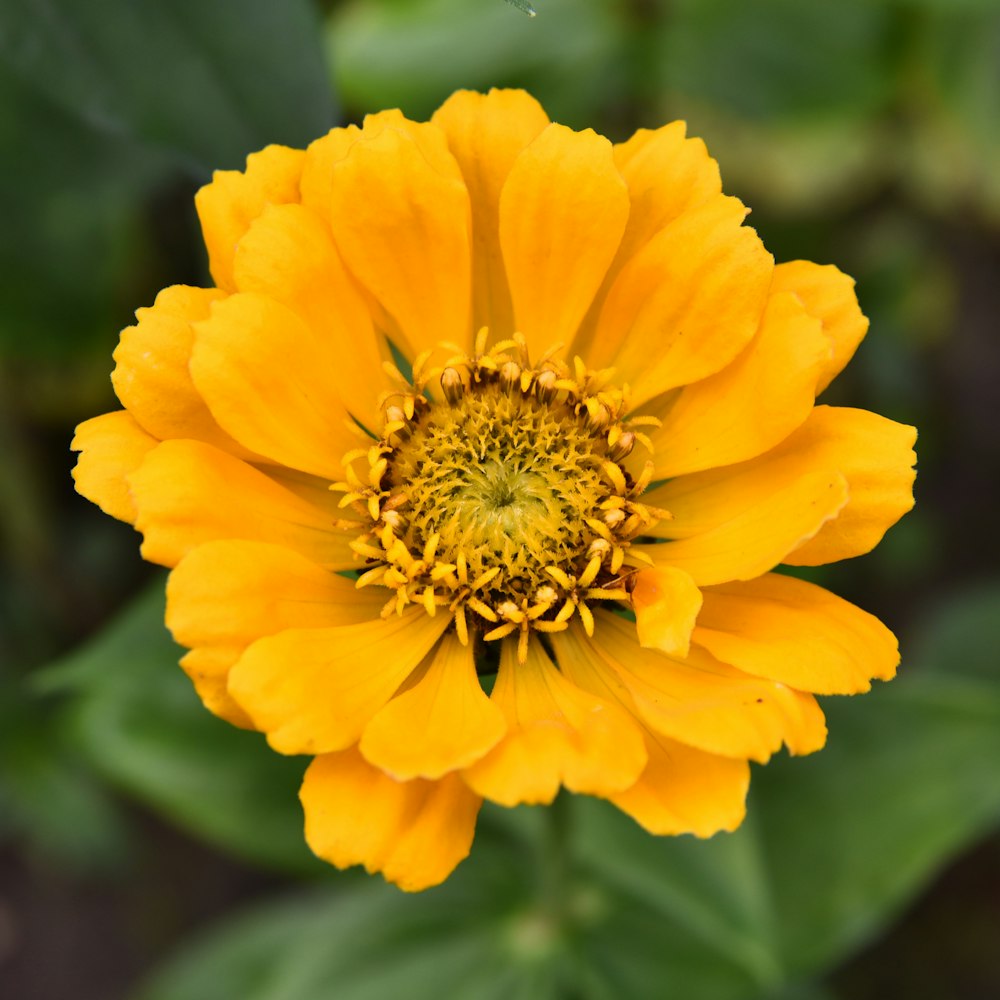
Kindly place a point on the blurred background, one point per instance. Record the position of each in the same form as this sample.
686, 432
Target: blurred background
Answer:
149, 851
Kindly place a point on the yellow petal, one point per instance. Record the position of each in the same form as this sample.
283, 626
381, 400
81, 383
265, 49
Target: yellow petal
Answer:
486, 133
316, 184
442, 723
563, 210
208, 669
289, 256
234, 198
876, 456
752, 404
112, 446
666, 603
705, 703
188, 493
266, 376
414, 832
796, 633
556, 734
681, 789
151, 375
403, 229
315, 690
827, 294
686, 304
738, 535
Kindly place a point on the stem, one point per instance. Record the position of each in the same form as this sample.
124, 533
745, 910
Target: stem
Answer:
554, 859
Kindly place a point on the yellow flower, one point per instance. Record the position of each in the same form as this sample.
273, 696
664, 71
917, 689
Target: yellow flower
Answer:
606, 440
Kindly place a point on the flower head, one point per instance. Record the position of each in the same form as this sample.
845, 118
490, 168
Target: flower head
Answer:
487, 396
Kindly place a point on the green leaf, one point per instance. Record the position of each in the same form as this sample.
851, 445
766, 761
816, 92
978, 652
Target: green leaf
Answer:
137, 720
209, 81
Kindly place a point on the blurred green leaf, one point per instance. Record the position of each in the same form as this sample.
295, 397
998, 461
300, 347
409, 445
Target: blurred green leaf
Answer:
137, 720
210, 81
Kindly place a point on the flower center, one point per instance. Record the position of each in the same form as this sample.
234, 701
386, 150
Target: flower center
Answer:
507, 501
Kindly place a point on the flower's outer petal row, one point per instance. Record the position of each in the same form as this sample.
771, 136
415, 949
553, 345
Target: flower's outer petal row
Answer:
752, 404
828, 294
151, 375
403, 229
289, 256
315, 690
234, 198
486, 133
188, 493
681, 789
316, 185
267, 378
705, 703
563, 210
796, 633
224, 595
740, 535
112, 446
873, 454
556, 734
686, 304
444, 722
414, 832
876, 455
666, 603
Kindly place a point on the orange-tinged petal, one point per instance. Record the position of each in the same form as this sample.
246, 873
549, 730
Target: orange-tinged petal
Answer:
314, 690
752, 404
828, 294
686, 304
414, 832
666, 603
208, 669
188, 493
556, 734
289, 256
443, 723
230, 592
266, 376
486, 133
151, 375
234, 198
403, 229
563, 210
796, 633
876, 456
111, 446
316, 184
742, 535
705, 703
681, 789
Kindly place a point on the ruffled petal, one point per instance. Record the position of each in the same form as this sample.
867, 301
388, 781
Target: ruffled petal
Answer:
876, 456
315, 690
563, 210
208, 668
486, 133
556, 734
316, 184
751, 405
112, 446
681, 789
234, 198
796, 633
686, 304
151, 375
289, 256
266, 376
442, 723
737, 534
414, 832
403, 229
666, 603
828, 294
188, 493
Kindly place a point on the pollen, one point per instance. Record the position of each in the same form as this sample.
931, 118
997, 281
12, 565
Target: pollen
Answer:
499, 493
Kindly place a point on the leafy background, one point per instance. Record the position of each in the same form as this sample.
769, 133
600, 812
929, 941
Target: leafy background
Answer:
149, 852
